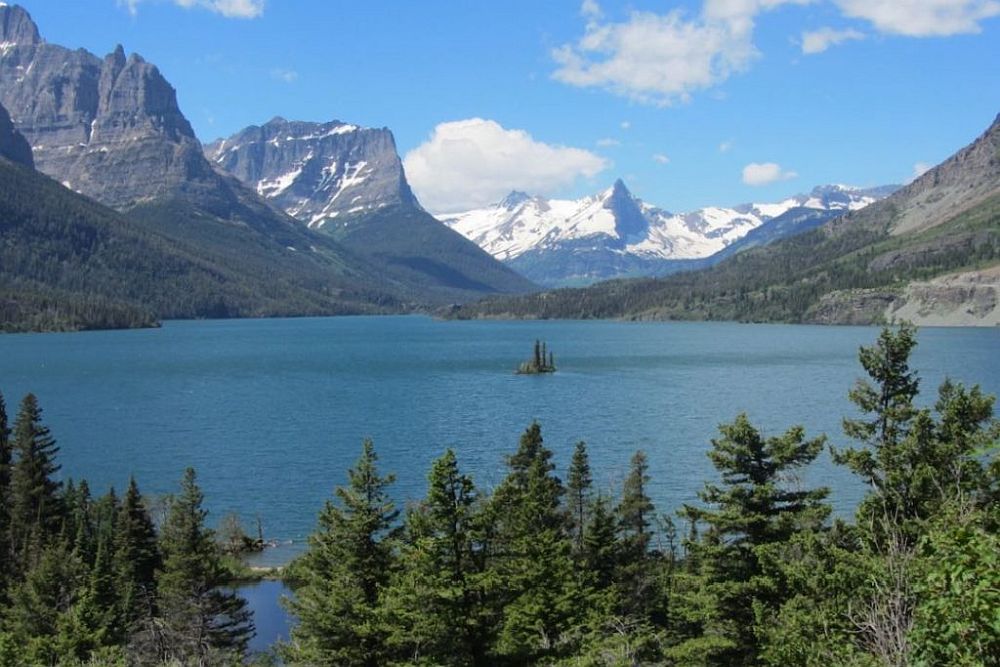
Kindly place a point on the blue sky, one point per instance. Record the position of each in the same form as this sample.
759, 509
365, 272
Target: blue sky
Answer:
708, 102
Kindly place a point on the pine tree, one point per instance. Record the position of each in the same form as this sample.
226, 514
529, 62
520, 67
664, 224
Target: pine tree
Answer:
636, 509
342, 576
36, 508
913, 462
532, 556
578, 491
635, 575
751, 510
436, 605
136, 561
203, 624
6, 459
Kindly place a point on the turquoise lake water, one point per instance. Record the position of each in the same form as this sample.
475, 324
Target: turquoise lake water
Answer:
271, 413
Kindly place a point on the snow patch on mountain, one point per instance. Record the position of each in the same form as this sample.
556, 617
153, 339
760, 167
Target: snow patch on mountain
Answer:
625, 224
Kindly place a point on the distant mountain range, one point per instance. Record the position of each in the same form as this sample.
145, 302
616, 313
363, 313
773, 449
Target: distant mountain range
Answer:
110, 129
614, 234
930, 252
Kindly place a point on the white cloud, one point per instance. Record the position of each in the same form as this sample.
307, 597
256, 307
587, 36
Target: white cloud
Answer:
818, 41
660, 158
608, 142
922, 18
764, 173
625, 125
664, 58
591, 10
471, 163
921, 168
286, 75
725, 146
239, 9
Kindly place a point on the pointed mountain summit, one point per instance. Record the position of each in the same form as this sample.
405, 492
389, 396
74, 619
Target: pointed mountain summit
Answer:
16, 27
615, 234
630, 223
928, 253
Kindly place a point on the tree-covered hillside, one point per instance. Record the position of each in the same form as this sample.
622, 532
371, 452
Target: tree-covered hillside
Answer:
68, 263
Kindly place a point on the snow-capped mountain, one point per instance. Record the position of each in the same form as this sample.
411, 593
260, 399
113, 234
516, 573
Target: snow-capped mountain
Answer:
613, 233
316, 172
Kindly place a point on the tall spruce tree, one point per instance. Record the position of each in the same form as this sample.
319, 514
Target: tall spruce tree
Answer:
635, 573
203, 623
755, 506
532, 557
35, 501
6, 459
340, 580
135, 562
437, 604
579, 484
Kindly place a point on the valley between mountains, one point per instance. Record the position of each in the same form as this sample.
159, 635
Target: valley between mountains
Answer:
114, 214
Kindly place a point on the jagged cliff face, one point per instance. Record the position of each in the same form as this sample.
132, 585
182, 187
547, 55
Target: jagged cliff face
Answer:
321, 173
108, 128
13, 145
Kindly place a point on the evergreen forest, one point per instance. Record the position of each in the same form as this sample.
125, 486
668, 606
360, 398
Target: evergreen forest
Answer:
546, 568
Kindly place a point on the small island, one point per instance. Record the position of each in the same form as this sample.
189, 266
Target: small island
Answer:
543, 362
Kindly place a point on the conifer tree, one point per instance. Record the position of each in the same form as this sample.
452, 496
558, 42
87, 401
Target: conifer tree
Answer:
136, 561
635, 576
600, 543
36, 508
753, 508
532, 556
6, 459
578, 491
913, 462
341, 578
436, 605
203, 623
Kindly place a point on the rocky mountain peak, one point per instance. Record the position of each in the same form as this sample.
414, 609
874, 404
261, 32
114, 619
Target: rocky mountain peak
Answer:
629, 220
514, 199
109, 128
317, 172
17, 27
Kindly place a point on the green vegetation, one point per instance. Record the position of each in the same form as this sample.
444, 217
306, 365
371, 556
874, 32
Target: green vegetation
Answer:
538, 572
68, 263
541, 362
91, 581
541, 572
784, 281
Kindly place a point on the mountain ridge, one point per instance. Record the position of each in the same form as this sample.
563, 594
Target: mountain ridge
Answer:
615, 234
857, 268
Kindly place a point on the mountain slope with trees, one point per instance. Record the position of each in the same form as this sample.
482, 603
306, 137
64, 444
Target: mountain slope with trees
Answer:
68, 263
853, 269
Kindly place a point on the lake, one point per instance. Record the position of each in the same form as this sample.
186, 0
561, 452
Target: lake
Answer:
271, 413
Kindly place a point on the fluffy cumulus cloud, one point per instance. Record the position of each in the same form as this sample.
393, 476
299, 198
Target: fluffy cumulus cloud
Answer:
922, 18
818, 41
660, 158
764, 173
663, 58
471, 163
239, 9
